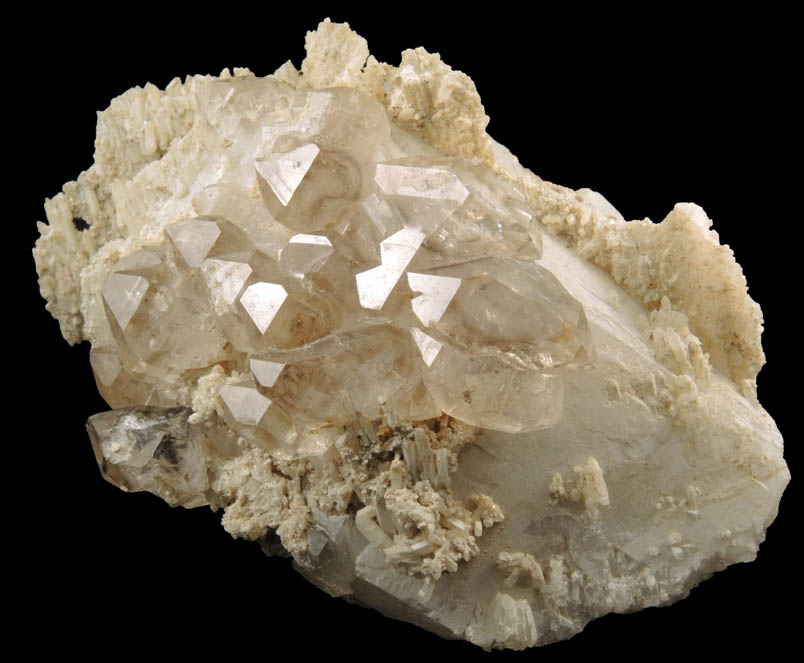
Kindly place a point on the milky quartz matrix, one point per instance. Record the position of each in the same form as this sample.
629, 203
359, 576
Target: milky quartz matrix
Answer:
327, 303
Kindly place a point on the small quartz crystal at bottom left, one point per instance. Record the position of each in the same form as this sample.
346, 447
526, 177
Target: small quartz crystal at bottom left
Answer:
152, 449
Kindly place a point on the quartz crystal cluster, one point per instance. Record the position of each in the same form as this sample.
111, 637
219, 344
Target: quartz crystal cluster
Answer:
453, 392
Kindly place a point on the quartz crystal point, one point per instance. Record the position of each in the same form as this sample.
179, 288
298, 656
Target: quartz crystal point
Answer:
153, 449
327, 302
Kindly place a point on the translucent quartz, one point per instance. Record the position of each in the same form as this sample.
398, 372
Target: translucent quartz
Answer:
153, 449
123, 294
364, 282
262, 302
224, 280
368, 351
194, 239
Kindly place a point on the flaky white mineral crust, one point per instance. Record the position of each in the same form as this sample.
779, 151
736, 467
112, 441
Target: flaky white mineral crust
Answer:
302, 313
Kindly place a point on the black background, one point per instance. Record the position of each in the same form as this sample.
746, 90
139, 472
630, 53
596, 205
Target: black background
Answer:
649, 110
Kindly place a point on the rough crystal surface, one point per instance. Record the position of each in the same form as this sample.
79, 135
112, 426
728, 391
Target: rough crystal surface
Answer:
454, 392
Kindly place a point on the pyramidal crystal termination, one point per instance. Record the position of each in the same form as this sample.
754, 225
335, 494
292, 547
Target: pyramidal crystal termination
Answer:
378, 337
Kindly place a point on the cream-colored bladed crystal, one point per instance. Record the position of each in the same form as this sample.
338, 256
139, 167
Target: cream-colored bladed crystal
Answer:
333, 307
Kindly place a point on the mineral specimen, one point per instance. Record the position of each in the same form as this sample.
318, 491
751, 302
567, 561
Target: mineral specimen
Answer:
329, 304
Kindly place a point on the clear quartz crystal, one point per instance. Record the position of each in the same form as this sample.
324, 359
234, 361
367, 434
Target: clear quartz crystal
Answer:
153, 449
371, 355
333, 324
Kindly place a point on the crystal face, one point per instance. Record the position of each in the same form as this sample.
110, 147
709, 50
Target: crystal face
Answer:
123, 293
262, 302
471, 399
140, 448
194, 239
